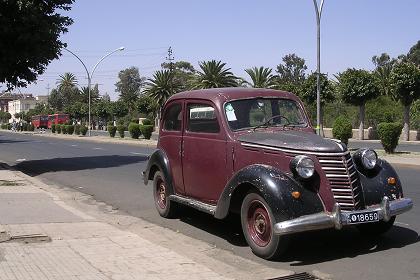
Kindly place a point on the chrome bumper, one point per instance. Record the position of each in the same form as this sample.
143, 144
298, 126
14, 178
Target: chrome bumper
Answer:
337, 219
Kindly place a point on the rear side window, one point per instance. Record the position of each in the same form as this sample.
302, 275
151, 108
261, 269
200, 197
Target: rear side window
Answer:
202, 118
173, 118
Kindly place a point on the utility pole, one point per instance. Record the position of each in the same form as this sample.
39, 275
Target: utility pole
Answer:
48, 94
170, 60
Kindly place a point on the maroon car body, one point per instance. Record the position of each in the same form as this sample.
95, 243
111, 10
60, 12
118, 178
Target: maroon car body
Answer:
254, 152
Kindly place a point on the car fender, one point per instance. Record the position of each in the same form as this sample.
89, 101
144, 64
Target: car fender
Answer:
276, 187
159, 161
375, 183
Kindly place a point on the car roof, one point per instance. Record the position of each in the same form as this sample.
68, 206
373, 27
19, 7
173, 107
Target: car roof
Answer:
220, 95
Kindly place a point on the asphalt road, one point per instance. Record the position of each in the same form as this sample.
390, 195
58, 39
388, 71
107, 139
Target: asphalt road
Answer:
111, 173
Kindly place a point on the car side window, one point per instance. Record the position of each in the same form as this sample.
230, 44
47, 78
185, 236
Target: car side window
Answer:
173, 118
202, 118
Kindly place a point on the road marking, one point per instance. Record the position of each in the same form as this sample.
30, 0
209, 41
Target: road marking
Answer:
404, 224
74, 145
98, 148
21, 159
139, 154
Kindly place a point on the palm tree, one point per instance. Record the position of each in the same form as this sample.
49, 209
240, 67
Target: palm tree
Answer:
261, 77
213, 74
67, 81
161, 86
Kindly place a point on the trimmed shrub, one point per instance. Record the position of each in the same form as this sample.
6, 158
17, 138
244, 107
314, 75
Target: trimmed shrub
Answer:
58, 128
121, 130
134, 130
53, 128
25, 127
389, 133
31, 127
342, 129
64, 128
111, 130
83, 130
147, 122
146, 130
77, 129
70, 129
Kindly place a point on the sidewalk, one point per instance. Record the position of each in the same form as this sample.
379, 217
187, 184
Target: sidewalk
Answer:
53, 233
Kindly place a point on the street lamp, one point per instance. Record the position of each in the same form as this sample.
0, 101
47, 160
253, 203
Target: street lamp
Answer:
90, 75
318, 11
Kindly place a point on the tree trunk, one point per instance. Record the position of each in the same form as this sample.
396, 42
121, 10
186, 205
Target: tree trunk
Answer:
406, 128
362, 122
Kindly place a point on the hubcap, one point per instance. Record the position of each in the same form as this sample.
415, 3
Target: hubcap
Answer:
259, 223
161, 194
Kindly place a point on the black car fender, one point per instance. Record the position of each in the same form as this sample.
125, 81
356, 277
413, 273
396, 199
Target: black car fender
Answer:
276, 188
159, 161
375, 183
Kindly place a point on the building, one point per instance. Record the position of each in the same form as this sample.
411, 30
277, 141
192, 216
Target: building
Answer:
5, 97
24, 103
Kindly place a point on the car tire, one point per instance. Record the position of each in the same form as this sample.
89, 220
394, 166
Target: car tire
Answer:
258, 227
375, 229
164, 205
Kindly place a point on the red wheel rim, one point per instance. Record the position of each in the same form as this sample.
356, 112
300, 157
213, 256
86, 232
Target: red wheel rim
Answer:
259, 223
161, 194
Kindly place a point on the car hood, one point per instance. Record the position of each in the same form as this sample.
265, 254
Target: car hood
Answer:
295, 140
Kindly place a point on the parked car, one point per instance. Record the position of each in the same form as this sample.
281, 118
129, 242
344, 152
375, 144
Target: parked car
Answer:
254, 152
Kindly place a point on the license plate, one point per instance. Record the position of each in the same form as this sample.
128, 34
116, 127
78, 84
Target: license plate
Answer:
365, 217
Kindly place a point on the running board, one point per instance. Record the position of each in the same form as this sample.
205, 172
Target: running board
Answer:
204, 207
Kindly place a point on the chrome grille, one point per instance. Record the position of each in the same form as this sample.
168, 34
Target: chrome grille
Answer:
344, 180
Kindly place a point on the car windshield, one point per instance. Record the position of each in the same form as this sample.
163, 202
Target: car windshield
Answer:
262, 112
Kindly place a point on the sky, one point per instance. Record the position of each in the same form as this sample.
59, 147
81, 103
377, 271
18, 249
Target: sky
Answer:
242, 34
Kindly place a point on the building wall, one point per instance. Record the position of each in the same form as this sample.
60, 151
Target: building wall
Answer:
20, 105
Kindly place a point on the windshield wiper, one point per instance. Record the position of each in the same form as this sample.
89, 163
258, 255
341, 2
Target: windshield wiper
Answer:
267, 122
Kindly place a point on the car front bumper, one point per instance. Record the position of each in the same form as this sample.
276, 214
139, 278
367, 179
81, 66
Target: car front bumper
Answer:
337, 218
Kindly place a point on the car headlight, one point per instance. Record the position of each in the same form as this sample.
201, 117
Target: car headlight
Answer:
302, 166
369, 158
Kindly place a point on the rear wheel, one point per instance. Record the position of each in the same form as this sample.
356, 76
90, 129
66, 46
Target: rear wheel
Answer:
164, 205
258, 226
375, 229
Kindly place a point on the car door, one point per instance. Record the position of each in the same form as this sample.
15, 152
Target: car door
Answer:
170, 141
204, 152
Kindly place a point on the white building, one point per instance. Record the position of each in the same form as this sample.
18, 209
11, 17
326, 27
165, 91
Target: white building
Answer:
21, 105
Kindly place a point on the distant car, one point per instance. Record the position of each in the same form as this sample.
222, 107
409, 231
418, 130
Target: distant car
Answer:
254, 152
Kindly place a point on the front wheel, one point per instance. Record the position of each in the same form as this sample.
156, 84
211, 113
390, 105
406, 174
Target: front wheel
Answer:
164, 205
258, 226
377, 228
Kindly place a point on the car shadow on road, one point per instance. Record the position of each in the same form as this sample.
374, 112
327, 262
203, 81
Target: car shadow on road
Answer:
38, 167
310, 247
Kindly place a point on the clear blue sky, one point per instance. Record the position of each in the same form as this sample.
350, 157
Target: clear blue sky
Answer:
241, 33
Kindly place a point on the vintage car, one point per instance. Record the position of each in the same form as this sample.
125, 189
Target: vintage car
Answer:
254, 152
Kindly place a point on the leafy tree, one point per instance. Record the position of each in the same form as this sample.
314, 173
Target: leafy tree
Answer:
405, 87
261, 77
94, 94
102, 109
414, 54
213, 74
67, 88
78, 110
307, 92
161, 87
383, 67
291, 74
129, 86
118, 109
357, 86
30, 38
146, 105
5, 116
183, 73
55, 100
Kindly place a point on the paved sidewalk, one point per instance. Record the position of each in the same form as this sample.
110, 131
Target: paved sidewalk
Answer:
52, 233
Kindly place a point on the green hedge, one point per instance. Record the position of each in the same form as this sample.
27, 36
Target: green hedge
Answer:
77, 129
58, 128
147, 122
53, 128
111, 130
64, 128
121, 130
146, 130
134, 129
70, 129
389, 133
83, 130
342, 129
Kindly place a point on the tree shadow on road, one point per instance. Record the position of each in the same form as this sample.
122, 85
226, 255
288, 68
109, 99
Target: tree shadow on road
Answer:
38, 167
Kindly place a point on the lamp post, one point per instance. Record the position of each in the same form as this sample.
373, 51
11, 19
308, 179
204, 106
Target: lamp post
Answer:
90, 75
318, 12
